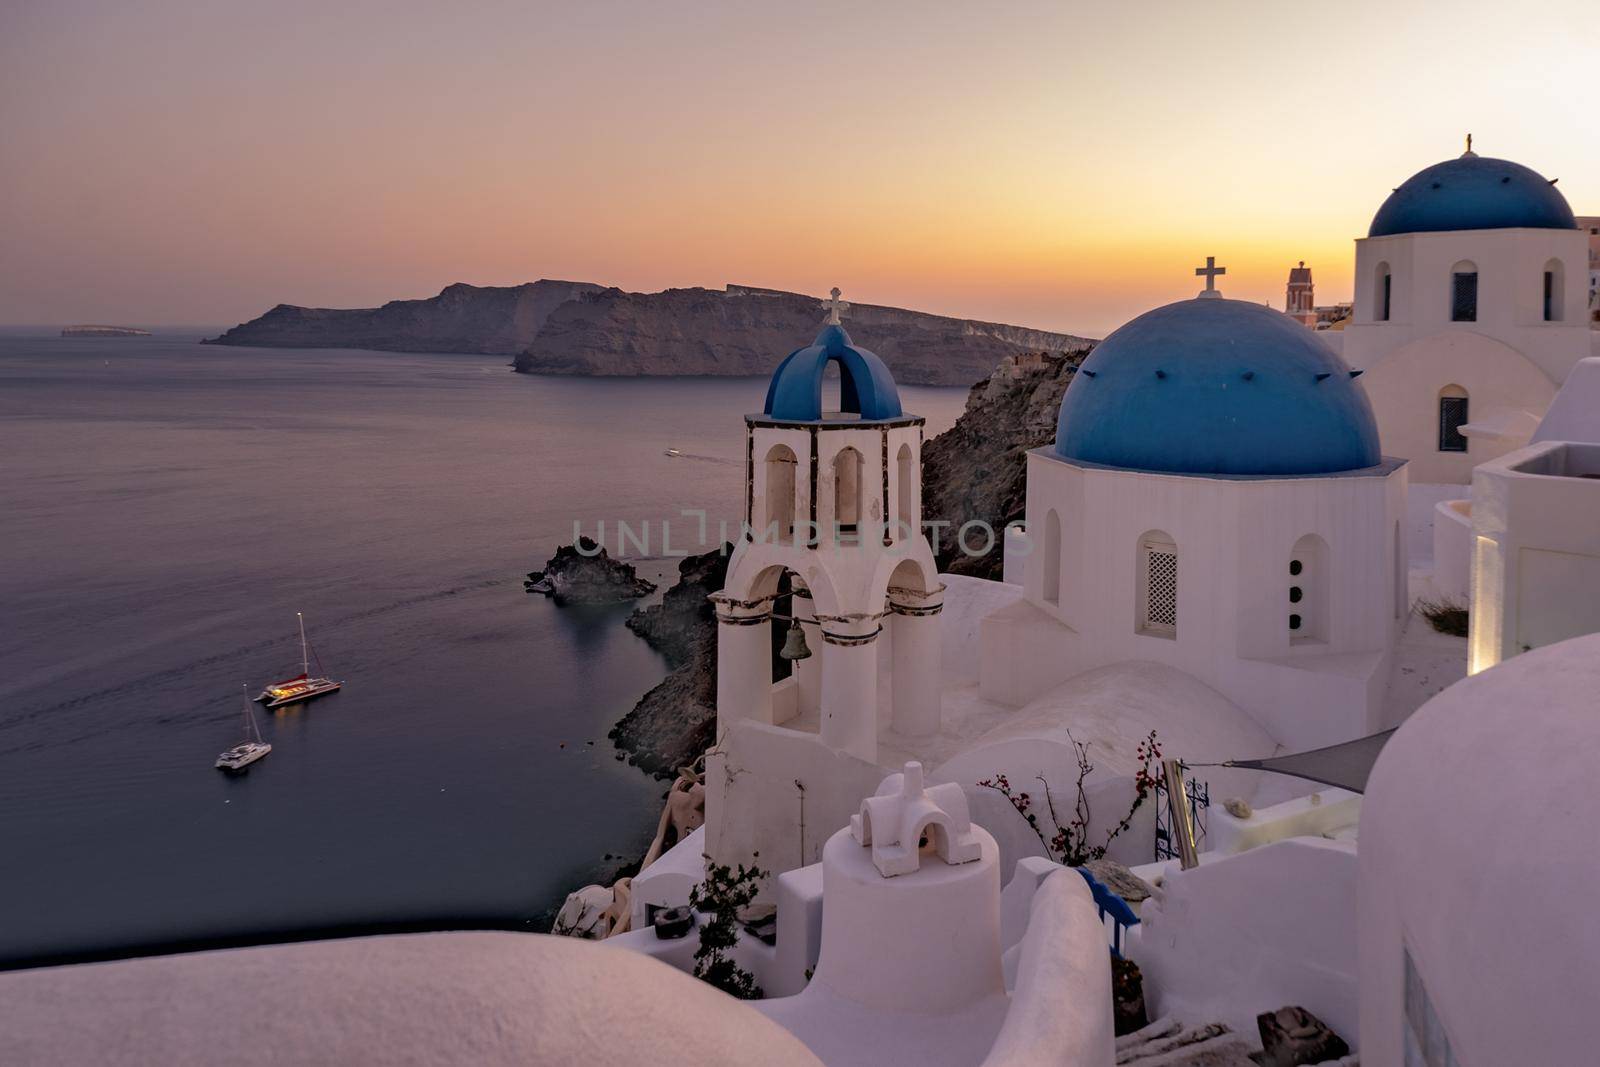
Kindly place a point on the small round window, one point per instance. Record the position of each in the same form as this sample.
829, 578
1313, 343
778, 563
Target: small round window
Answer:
1295, 566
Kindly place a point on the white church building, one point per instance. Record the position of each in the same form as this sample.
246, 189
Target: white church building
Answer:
1471, 308
1215, 552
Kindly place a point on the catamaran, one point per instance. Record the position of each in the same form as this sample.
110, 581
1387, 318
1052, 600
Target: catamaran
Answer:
303, 686
247, 751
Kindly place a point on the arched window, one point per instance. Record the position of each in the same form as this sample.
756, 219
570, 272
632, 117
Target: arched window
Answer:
1051, 589
1452, 416
832, 389
1554, 283
847, 492
1464, 292
1308, 590
781, 465
1382, 294
906, 510
1158, 585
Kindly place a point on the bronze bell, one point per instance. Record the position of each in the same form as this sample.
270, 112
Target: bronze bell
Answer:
794, 645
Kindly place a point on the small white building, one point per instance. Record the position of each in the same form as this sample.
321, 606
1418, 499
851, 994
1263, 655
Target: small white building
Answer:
1536, 550
1471, 307
1523, 551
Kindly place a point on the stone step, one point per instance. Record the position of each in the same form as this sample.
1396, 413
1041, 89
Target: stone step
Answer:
1169, 1042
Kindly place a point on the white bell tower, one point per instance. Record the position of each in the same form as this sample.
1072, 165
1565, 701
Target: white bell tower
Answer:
833, 513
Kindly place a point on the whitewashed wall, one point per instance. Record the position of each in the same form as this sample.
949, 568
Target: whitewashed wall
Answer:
1235, 539
1536, 561
1419, 350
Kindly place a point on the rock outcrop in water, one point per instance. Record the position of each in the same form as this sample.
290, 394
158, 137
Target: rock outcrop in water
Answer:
585, 574
977, 470
677, 720
554, 327
492, 320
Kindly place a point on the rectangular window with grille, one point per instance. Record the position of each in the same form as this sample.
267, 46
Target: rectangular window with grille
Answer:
1464, 297
1452, 416
1160, 573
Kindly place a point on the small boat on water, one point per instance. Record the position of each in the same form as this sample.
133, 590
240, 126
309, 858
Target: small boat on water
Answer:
303, 686
250, 749
674, 452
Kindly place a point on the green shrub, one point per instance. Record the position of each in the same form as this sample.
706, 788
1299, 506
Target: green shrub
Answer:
724, 891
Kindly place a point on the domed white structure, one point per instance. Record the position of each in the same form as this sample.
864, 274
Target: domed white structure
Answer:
1470, 310
1217, 501
1478, 942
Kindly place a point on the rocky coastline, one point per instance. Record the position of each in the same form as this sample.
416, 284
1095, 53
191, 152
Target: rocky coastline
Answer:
676, 721
978, 471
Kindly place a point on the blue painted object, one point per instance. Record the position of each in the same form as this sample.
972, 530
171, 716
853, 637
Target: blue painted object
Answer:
1473, 193
1246, 391
1109, 903
866, 386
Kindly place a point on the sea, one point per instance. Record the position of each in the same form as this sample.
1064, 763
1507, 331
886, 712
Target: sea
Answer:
167, 507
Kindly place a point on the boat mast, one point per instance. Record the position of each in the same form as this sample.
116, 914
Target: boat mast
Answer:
305, 658
249, 715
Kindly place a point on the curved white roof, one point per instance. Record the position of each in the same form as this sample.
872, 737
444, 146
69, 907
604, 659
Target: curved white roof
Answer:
1112, 709
481, 998
1478, 826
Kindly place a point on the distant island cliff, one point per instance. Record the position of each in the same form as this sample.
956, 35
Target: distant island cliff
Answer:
556, 327
103, 331
489, 320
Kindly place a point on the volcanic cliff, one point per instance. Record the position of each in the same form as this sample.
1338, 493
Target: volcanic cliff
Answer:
492, 320
554, 327
741, 331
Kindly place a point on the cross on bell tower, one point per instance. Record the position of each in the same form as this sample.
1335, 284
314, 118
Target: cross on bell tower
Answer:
834, 306
1210, 272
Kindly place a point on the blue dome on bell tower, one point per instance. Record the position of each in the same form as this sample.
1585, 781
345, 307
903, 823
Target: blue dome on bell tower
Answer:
866, 388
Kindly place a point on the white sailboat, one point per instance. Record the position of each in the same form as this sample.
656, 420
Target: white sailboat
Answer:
249, 750
302, 686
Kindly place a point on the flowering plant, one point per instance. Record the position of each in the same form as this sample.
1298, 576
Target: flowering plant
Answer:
1069, 843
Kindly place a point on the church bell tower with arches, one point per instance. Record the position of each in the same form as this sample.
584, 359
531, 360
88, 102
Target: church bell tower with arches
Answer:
832, 553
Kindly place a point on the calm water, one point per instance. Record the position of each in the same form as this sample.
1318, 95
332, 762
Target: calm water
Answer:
165, 508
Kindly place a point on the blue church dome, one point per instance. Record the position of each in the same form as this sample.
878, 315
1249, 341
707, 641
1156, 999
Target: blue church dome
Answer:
1214, 386
1473, 193
866, 386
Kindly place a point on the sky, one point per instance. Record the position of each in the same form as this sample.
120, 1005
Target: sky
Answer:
1057, 165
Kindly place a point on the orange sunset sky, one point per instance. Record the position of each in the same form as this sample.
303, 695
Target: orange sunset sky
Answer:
1057, 165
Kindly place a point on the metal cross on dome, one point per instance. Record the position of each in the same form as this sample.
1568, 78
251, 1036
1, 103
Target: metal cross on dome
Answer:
834, 306
1210, 272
